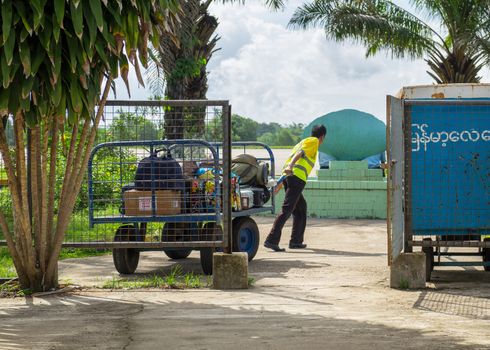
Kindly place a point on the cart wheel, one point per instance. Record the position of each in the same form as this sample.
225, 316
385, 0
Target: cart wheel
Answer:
207, 260
178, 253
125, 259
429, 259
246, 236
172, 232
211, 232
486, 254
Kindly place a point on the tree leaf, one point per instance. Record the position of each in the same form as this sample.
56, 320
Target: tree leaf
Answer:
21, 10
9, 46
45, 36
4, 101
56, 61
61, 106
57, 93
23, 35
75, 95
6, 19
56, 31
73, 51
27, 87
38, 14
25, 57
77, 18
124, 68
5, 68
59, 11
37, 60
15, 91
91, 24
30, 117
97, 14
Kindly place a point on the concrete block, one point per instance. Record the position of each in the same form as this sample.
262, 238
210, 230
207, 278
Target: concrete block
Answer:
230, 271
408, 271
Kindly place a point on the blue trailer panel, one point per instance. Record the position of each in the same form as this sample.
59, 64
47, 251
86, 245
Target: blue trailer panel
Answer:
450, 168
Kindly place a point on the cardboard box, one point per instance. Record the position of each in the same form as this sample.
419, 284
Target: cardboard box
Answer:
138, 203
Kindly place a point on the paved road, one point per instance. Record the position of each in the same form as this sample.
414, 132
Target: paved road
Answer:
333, 295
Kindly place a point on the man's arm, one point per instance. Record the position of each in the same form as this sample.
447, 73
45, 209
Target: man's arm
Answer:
289, 168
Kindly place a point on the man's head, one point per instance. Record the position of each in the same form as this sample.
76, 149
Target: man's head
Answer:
319, 131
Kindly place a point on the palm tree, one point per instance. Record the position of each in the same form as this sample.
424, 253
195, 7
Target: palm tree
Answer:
183, 58
455, 54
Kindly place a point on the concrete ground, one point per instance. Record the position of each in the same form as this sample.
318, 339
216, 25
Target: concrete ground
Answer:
333, 295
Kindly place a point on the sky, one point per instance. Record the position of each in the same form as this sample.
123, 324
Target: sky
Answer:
272, 73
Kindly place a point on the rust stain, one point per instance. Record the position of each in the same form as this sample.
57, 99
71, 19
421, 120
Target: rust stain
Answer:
438, 95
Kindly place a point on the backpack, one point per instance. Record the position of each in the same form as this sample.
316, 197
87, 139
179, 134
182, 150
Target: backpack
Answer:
165, 172
250, 171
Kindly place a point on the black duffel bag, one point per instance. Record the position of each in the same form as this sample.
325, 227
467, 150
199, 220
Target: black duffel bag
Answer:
159, 173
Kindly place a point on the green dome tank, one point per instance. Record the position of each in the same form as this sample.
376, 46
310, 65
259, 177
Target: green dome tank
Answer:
351, 134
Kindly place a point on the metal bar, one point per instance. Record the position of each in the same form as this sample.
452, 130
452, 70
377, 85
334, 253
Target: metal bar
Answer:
252, 211
169, 103
461, 263
103, 245
462, 244
390, 181
407, 133
459, 254
227, 227
430, 102
440, 232
162, 218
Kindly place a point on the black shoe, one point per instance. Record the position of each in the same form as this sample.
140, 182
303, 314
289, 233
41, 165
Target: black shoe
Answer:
274, 247
297, 246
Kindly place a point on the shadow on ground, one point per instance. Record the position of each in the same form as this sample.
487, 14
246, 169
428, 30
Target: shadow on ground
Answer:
89, 322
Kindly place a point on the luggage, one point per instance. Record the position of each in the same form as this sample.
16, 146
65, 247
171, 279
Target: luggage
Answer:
250, 171
261, 196
159, 173
142, 203
246, 198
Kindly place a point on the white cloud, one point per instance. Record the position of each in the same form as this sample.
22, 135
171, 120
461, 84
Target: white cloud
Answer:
295, 76
271, 73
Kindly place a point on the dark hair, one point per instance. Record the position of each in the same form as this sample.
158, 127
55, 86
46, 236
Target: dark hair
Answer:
318, 131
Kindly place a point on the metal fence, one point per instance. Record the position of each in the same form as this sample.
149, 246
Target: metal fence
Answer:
159, 178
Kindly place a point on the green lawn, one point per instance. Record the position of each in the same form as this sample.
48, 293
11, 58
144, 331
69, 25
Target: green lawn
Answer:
7, 267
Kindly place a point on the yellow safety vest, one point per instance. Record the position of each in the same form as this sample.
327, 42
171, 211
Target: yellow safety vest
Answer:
304, 165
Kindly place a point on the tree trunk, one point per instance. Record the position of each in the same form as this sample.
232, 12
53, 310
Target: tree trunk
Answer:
174, 116
38, 233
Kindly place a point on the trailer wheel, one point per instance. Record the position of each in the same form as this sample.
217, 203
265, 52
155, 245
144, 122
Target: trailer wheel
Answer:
178, 253
172, 232
486, 255
209, 232
207, 260
429, 259
246, 236
125, 259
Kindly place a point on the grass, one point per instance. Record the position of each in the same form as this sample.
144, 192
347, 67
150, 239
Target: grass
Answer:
7, 269
12, 289
176, 279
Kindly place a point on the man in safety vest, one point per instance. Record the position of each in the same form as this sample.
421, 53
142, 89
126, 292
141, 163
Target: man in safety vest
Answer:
296, 171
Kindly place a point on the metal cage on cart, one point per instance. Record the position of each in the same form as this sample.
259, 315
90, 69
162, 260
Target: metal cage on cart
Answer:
189, 227
439, 182
187, 211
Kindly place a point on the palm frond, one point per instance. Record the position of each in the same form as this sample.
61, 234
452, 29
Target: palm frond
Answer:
376, 24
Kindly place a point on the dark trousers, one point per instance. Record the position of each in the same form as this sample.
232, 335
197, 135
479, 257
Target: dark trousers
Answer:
294, 204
